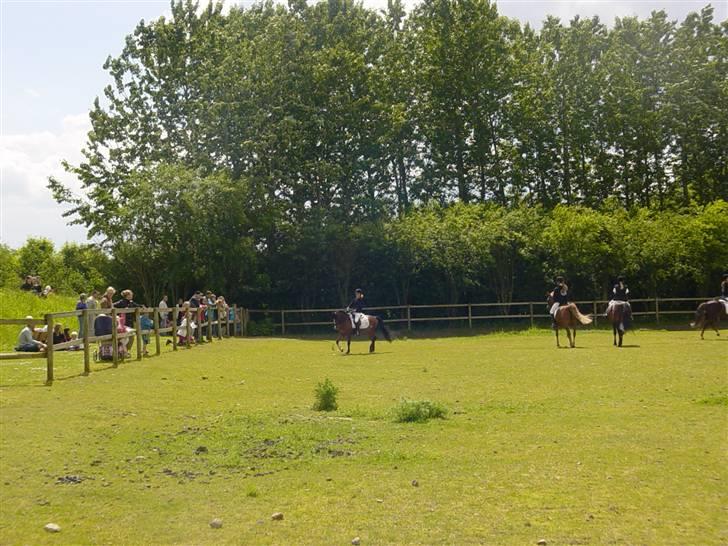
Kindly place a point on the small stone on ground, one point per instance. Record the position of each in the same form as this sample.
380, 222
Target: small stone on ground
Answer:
356, 541
277, 516
542, 542
52, 528
216, 523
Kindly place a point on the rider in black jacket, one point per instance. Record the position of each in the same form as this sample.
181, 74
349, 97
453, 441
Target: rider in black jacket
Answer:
356, 306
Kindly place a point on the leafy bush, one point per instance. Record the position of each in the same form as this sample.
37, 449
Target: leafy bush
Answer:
263, 327
418, 411
325, 396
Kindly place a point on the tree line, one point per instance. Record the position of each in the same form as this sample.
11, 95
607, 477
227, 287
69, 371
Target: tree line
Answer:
286, 153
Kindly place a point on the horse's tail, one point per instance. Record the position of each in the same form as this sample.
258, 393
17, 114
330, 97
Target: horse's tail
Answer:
699, 315
583, 319
385, 330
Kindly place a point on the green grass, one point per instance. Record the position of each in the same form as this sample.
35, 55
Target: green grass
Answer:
592, 445
17, 304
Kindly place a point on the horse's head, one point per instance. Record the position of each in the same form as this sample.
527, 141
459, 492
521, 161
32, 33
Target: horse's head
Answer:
340, 318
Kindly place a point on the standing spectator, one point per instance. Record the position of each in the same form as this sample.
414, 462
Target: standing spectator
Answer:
26, 343
80, 306
163, 313
146, 324
127, 320
107, 302
92, 302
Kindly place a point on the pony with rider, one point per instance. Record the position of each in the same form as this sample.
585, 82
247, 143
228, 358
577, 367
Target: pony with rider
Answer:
353, 321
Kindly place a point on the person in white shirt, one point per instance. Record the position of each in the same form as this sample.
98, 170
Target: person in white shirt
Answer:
163, 313
26, 343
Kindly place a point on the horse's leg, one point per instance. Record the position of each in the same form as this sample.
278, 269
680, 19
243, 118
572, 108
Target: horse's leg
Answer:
339, 338
371, 345
571, 341
621, 336
348, 344
614, 333
557, 337
702, 331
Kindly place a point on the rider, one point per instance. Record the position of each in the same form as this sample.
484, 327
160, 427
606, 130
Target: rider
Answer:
620, 293
560, 295
356, 308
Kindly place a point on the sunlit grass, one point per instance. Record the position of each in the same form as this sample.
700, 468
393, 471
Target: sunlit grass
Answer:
593, 445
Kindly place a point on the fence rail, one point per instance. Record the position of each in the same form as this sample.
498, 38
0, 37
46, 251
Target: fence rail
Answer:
283, 320
216, 323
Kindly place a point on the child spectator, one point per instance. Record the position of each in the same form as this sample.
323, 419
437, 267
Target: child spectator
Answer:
58, 335
75, 347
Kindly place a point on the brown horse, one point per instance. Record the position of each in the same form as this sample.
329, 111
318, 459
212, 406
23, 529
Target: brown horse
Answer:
342, 324
709, 314
620, 315
568, 317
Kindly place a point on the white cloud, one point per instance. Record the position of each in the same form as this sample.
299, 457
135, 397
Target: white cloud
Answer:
26, 162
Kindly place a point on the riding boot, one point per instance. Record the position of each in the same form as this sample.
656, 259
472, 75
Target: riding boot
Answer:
553, 322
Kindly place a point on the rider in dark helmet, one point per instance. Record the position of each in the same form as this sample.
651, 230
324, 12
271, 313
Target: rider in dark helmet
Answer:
560, 295
356, 308
620, 292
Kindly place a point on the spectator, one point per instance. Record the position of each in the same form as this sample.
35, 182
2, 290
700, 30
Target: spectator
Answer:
145, 323
163, 313
180, 304
107, 301
26, 343
47, 291
184, 336
58, 335
81, 306
92, 302
75, 347
127, 302
27, 284
35, 281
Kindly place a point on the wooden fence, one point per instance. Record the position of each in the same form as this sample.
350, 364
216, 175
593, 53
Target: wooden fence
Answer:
207, 328
290, 320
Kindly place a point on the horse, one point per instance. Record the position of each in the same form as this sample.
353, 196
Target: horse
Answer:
620, 315
708, 314
342, 324
568, 317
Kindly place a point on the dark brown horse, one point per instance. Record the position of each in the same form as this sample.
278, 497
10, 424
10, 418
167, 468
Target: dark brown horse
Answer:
709, 314
620, 315
568, 317
342, 324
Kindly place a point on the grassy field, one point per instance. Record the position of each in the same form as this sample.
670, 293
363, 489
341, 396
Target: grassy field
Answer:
592, 445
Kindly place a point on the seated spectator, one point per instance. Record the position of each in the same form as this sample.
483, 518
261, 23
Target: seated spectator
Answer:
27, 284
26, 343
184, 336
58, 335
47, 291
75, 347
41, 333
36, 285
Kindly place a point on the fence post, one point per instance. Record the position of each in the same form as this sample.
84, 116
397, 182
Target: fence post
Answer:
283, 322
114, 338
175, 316
86, 348
470, 316
156, 330
246, 321
530, 311
227, 321
594, 314
220, 312
657, 310
210, 315
188, 317
409, 318
235, 321
138, 328
49, 349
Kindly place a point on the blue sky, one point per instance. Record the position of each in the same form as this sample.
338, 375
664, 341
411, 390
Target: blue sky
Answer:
51, 58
